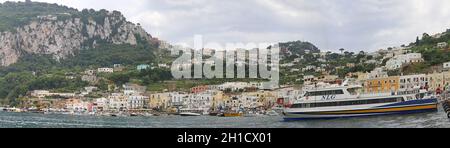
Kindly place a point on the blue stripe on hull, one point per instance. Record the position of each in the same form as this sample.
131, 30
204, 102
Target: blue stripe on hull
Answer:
413, 102
364, 115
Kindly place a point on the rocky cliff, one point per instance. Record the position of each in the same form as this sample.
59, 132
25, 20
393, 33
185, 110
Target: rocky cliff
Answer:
63, 34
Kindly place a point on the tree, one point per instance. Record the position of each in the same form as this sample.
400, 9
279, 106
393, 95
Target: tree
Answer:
362, 52
417, 41
342, 50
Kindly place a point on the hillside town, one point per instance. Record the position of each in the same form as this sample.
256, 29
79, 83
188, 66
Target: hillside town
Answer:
248, 98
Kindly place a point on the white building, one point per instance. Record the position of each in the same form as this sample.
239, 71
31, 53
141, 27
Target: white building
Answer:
117, 101
295, 70
105, 70
45, 93
89, 72
309, 67
163, 66
398, 61
377, 73
447, 65
287, 65
320, 69
76, 105
177, 99
133, 89
88, 90
234, 86
89, 78
323, 60
137, 101
198, 101
410, 82
396, 51
244, 102
101, 104
40, 93
442, 45
371, 62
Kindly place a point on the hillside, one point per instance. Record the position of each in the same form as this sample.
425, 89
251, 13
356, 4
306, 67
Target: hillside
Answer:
49, 29
42, 44
434, 56
14, 14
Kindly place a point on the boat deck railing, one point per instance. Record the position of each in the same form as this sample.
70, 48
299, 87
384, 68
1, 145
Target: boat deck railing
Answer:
393, 93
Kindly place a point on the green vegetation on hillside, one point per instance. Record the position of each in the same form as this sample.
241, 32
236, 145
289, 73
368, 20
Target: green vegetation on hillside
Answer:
14, 14
298, 47
38, 71
433, 55
33, 72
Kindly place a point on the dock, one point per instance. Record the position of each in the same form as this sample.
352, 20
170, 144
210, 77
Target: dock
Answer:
446, 103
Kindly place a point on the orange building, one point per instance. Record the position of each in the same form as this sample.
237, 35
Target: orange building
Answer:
199, 89
382, 85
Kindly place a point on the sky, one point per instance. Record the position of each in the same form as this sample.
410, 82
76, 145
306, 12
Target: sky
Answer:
354, 25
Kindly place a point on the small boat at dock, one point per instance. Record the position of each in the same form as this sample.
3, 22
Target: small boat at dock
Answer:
272, 113
233, 114
186, 114
214, 114
190, 112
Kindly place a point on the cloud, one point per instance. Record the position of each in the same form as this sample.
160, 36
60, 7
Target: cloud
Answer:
330, 24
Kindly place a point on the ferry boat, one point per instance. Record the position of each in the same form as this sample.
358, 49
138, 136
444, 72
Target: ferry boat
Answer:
344, 101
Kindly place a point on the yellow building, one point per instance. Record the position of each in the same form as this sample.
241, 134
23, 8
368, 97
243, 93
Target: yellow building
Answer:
447, 78
219, 99
362, 76
265, 98
438, 80
159, 100
382, 85
435, 81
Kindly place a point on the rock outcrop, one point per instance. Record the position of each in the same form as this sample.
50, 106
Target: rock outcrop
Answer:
62, 37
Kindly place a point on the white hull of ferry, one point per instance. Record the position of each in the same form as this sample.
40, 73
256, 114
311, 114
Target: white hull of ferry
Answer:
406, 107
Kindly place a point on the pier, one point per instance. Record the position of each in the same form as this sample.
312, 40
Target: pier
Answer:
446, 103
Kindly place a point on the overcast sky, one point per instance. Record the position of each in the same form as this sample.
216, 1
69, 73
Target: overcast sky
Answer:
330, 24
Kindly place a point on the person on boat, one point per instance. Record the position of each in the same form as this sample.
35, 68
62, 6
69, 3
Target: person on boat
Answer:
438, 91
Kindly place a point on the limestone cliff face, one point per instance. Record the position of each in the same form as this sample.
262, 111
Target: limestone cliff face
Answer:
62, 37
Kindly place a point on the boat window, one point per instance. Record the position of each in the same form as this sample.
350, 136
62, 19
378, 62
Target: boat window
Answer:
353, 91
347, 103
324, 93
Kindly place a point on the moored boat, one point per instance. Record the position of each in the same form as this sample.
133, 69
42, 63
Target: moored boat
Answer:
189, 114
345, 101
272, 113
214, 113
232, 114
16, 110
